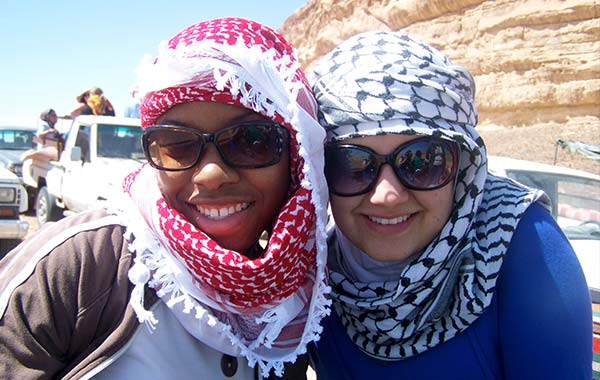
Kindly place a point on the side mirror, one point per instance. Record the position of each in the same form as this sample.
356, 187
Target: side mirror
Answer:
75, 153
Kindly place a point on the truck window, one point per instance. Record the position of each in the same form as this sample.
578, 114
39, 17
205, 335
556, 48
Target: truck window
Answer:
83, 141
119, 141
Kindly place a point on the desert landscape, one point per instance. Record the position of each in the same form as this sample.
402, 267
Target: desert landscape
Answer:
535, 62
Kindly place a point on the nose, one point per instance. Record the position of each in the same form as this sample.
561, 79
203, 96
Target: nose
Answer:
388, 190
212, 172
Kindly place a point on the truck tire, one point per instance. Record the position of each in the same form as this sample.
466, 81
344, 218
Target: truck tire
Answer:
46, 209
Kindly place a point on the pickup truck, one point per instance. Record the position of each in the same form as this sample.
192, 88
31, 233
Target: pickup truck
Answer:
98, 152
13, 201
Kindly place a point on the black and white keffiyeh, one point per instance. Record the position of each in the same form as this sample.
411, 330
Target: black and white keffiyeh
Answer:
387, 83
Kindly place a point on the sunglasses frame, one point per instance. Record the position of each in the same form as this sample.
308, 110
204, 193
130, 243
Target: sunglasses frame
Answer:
390, 159
206, 138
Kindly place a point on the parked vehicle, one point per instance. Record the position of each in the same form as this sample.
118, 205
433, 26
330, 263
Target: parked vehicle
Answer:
575, 197
98, 152
14, 141
13, 201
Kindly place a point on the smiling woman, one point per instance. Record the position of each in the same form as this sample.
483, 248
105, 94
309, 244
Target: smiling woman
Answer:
439, 269
211, 174
234, 153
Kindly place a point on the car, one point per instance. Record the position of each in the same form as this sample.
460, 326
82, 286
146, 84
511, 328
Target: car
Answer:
13, 201
99, 151
575, 197
14, 141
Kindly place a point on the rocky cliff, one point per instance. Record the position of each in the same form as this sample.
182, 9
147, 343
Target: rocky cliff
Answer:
536, 62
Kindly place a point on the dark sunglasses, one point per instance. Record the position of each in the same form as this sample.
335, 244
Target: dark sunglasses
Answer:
426, 163
248, 145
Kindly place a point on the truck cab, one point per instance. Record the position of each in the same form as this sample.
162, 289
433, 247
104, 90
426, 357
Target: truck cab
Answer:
98, 152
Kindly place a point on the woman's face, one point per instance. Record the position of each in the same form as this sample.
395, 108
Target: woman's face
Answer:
391, 222
52, 119
233, 206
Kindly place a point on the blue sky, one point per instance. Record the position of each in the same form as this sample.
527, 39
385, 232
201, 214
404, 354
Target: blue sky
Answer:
53, 50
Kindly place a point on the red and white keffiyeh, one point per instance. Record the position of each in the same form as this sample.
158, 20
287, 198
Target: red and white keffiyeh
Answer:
267, 309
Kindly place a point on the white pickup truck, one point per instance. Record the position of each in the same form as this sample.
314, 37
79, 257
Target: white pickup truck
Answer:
98, 152
13, 201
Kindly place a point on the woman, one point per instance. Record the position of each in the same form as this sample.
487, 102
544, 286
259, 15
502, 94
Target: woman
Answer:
99, 103
46, 129
182, 254
83, 108
437, 272
48, 140
93, 102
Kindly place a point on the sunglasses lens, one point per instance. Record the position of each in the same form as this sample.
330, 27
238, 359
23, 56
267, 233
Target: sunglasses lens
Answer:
251, 145
172, 148
426, 164
421, 164
349, 170
247, 145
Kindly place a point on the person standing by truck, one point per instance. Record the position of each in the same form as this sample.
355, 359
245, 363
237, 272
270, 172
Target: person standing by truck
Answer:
93, 102
99, 103
46, 128
182, 254
83, 108
48, 140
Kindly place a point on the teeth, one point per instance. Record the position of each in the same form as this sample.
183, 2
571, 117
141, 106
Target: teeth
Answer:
396, 220
224, 212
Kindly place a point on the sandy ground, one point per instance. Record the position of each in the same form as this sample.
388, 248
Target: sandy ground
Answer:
538, 143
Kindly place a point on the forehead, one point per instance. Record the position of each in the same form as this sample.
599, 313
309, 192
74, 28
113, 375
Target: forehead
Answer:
207, 116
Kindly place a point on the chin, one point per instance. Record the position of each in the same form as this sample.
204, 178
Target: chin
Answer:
389, 254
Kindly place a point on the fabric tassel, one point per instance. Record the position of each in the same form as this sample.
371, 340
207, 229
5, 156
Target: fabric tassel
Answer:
139, 275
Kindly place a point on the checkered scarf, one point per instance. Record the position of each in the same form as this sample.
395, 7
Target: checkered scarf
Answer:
379, 83
268, 308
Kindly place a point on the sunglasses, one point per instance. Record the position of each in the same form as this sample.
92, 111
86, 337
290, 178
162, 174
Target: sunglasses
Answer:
248, 145
426, 163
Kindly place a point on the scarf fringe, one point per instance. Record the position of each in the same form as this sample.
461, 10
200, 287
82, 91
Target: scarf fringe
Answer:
139, 276
151, 256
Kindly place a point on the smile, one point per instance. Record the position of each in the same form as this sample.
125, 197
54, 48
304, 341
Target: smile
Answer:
223, 212
386, 221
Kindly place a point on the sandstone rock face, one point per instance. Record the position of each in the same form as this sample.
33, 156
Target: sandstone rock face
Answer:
536, 63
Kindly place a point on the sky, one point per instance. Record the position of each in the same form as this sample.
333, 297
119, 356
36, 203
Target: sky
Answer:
53, 50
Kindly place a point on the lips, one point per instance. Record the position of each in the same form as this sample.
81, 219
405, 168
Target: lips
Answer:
219, 213
388, 221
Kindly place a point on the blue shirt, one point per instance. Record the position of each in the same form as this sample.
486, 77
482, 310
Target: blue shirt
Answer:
538, 325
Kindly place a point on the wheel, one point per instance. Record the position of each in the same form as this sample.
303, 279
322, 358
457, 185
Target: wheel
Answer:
46, 209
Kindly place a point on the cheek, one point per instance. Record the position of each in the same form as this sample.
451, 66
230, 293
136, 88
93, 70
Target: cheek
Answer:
278, 180
171, 184
441, 203
271, 185
342, 207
